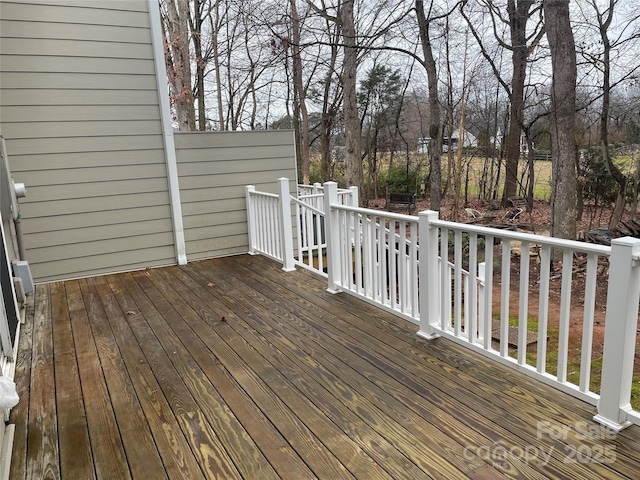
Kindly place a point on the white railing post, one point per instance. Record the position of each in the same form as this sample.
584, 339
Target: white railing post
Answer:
620, 334
429, 275
251, 227
355, 200
332, 235
286, 227
482, 333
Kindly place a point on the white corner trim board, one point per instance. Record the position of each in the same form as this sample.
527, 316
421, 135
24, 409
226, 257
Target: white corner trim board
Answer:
167, 133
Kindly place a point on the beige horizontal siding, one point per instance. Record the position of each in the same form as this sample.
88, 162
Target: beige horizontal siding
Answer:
103, 218
88, 12
54, 161
93, 233
63, 129
252, 158
93, 187
214, 169
96, 143
36, 47
70, 31
129, 5
192, 209
39, 63
81, 113
62, 97
107, 175
228, 179
80, 82
103, 263
79, 108
118, 204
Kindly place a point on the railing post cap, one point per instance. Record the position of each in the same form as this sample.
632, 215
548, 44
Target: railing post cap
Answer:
626, 241
432, 214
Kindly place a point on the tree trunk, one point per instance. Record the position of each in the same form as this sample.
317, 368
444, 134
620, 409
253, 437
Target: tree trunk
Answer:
216, 59
518, 16
532, 174
563, 116
612, 168
299, 93
435, 133
327, 119
196, 36
350, 100
178, 62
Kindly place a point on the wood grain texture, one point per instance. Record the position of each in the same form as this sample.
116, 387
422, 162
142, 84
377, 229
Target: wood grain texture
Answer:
111, 462
23, 381
138, 443
43, 454
223, 388
321, 461
76, 458
205, 444
232, 368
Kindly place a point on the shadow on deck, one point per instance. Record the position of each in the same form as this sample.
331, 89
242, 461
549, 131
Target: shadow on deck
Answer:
231, 368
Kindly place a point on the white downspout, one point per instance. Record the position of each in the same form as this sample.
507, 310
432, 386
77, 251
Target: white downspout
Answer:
167, 132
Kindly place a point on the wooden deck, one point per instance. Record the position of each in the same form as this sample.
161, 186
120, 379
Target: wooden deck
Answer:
231, 368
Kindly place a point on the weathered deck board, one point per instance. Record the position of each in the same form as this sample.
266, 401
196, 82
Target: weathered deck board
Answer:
42, 441
231, 368
23, 383
235, 397
95, 371
76, 460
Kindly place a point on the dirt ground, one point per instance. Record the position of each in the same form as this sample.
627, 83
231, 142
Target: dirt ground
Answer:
538, 222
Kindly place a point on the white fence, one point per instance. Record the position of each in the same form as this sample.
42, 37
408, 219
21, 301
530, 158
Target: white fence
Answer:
497, 292
269, 224
311, 249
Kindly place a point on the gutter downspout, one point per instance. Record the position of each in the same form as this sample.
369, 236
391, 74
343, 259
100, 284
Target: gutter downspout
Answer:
167, 132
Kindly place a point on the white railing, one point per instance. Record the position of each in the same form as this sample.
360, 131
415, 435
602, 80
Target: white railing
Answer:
497, 320
376, 258
311, 250
310, 224
517, 307
346, 196
269, 224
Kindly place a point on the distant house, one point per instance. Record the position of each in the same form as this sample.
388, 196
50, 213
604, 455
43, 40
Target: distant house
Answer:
470, 141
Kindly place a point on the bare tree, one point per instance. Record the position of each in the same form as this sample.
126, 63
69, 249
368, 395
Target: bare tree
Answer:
175, 26
599, 54
300, 101
563, 118
350, 99
215, 25
523, 40
201, 9
435, 130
